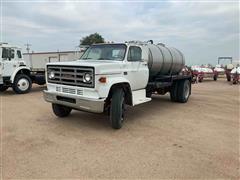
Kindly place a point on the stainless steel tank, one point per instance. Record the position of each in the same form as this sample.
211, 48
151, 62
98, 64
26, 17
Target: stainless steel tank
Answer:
163, 60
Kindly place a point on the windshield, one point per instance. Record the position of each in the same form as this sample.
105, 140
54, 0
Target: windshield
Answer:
115, 52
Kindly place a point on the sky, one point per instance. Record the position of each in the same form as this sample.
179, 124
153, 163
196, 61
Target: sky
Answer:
202, 30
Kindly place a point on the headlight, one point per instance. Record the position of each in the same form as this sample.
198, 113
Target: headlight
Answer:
87, 77
51, 75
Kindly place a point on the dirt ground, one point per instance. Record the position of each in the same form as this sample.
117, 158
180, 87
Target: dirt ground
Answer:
160, 139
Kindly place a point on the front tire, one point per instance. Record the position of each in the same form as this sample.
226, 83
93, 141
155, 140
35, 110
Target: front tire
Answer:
60, 110
117, 109
22, 84
3, 88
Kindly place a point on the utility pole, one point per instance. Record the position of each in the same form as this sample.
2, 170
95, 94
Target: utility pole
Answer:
27, 47
28, 50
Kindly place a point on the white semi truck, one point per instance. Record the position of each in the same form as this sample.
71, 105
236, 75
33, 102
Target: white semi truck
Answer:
18, 72
110, 76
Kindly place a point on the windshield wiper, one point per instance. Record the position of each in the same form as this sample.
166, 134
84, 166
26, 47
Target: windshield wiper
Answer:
104, 59
86, 58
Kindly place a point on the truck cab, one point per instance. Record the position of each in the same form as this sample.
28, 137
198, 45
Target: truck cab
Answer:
13, 70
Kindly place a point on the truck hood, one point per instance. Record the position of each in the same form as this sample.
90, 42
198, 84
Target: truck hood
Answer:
100, 66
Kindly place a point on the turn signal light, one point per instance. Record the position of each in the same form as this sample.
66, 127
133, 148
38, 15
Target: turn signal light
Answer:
102, 79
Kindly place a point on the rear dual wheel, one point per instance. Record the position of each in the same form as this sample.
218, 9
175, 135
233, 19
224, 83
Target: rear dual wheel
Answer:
184, 91
173, 92
180, 91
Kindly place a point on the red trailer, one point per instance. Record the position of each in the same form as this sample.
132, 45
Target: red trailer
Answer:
200, 72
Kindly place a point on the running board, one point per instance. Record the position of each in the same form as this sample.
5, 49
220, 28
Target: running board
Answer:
139, 97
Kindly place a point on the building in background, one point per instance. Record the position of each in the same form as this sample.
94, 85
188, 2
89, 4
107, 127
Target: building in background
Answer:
38, 60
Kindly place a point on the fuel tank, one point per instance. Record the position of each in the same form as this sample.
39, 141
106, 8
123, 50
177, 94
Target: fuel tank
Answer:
163, 60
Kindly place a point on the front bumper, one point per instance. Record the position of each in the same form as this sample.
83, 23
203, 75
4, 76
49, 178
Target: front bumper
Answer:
79, 103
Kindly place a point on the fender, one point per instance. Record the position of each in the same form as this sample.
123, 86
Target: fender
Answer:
104, 89
15, 72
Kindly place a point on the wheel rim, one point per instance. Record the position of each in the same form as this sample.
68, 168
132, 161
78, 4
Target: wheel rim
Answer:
186, 90
23, 84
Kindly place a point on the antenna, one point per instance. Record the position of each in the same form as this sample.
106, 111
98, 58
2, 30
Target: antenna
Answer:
27, 47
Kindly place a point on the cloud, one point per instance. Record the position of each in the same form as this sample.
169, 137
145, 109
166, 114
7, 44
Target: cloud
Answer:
202, 30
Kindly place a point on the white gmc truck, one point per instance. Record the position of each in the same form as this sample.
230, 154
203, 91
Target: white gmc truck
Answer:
110, 76
19, 73
14, 72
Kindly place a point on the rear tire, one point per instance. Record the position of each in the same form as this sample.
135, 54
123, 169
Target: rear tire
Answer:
3, 88
22, 84
60, 110
173, 92
117, 109
184, 91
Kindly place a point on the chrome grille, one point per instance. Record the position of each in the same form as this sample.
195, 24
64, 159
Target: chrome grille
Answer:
69, 90
58, 89
70, 75
80, 92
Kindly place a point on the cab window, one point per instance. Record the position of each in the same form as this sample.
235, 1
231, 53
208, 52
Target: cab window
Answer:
19, 54
4, 53
7, 53
134, 54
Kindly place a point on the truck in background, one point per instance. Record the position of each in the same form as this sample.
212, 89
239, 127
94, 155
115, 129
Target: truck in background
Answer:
110, 76
19, 71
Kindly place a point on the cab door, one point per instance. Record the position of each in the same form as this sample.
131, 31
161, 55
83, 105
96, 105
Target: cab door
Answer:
137, 73
9, 63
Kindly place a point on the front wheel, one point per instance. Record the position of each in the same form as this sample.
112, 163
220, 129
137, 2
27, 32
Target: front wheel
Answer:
60, 110
22, 84
117, 109
3, 88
